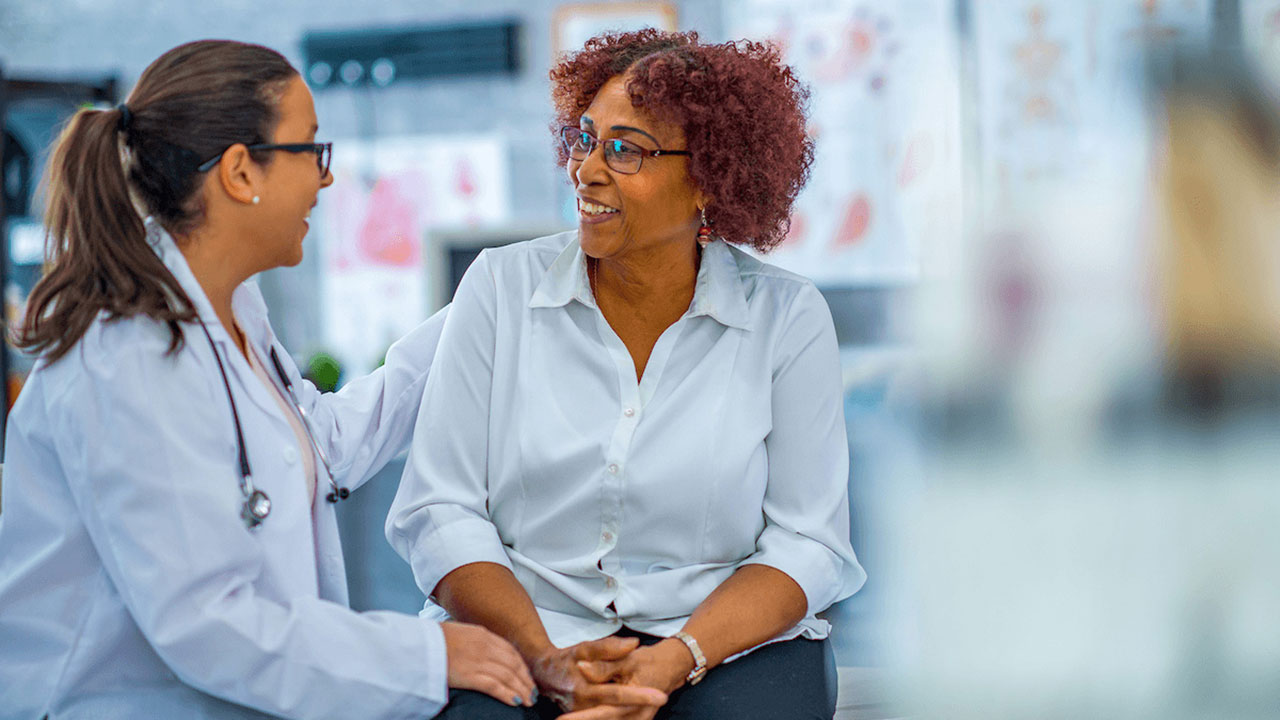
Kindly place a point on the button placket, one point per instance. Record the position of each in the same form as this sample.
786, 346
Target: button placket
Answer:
616, 458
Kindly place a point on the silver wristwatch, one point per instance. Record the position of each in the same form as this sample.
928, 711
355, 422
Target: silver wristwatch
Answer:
699, 660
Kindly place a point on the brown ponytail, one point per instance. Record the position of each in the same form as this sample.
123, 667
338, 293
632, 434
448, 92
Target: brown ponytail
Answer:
189, 105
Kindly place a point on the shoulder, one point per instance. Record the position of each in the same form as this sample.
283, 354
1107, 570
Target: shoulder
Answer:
772, 289
121, 356
528, 256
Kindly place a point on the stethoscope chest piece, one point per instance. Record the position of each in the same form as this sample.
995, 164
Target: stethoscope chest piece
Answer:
256, 508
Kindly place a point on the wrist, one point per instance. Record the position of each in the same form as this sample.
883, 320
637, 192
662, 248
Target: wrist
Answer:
536, 651
698, 666
673, 663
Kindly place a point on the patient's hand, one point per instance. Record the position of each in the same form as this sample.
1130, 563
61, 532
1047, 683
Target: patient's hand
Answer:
663, 666
559, 674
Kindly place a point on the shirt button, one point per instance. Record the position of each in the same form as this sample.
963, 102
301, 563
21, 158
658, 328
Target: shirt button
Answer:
629, 412
610, 582
290, 455
608, 536
613, 468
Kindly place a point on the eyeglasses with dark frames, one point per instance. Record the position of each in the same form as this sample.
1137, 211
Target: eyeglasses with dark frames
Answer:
621, 155
323, 151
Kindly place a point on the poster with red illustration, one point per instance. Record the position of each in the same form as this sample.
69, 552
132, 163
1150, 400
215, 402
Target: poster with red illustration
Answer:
884, 113
386, 196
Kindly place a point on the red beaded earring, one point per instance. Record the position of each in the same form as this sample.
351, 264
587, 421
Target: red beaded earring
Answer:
705, 233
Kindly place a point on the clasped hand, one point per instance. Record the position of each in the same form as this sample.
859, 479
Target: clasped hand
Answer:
612, 678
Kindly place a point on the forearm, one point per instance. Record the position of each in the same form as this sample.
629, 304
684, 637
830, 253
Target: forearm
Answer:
755, 604
488, 594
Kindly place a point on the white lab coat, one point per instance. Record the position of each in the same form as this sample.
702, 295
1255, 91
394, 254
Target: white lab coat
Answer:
130, 587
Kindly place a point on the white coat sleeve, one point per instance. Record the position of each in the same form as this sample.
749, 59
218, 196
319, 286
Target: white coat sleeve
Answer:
806, 501
370, 420
439, 520
150, 456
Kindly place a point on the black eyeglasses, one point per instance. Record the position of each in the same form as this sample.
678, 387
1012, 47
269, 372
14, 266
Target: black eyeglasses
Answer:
323, 151
623, 156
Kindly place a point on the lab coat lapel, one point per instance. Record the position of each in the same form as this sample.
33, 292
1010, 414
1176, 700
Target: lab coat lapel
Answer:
243, 304
331, 573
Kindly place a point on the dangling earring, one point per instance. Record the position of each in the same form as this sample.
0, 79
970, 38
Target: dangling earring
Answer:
256, 199
705, 234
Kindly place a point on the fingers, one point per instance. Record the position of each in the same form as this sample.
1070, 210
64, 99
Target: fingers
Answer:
502, 690
504, 665
505, 654
620, 695
609, 712
480, 660
608, 648
601, 712
599, 671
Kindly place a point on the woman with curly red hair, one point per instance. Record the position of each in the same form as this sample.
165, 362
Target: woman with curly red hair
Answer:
631, 458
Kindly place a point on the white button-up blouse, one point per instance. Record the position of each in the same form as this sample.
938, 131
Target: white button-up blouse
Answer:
623, 503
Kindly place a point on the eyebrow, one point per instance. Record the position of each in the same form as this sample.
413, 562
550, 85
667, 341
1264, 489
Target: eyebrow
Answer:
627, 128
637, 130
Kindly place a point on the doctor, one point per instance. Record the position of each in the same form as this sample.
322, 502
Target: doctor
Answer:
168, 545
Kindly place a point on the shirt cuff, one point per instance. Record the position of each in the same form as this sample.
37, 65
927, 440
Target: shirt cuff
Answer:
450, 546
437, 653
823, 576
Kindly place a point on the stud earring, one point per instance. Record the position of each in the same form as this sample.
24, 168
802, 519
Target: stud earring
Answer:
256, 199
705, 233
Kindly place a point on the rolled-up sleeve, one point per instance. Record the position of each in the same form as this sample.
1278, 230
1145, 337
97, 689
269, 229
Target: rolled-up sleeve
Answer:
439, 520
151, 469
806, 503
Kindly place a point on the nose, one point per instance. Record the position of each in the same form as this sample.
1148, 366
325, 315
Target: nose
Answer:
591, 170
327, 180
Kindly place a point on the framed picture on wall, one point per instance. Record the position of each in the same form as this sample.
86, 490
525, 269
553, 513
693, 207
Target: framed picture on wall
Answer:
575, 23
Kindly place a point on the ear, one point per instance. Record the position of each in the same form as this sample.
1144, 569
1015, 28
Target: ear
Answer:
240, 177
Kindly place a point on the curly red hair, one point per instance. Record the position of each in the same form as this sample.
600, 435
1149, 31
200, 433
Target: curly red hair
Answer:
742, 111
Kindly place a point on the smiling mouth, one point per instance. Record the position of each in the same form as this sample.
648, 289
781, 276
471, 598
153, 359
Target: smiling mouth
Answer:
594, 211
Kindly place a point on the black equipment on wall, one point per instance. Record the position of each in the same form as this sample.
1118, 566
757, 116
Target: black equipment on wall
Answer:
380, 57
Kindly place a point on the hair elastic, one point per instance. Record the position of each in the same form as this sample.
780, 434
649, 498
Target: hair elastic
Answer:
126, 118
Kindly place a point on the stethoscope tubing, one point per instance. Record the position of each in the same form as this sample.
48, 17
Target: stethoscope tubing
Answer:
257, 506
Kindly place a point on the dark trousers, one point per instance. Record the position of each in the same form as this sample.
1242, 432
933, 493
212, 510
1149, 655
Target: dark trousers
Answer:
792, 680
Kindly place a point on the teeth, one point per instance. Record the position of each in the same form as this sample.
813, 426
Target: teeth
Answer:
593, 209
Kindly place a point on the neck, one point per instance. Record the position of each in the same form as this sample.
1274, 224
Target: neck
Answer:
656, 279
216, 269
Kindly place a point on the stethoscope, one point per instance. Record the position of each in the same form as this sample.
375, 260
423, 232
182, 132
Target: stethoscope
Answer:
257, 506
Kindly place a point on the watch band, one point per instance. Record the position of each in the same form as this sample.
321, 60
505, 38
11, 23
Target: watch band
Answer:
699, 660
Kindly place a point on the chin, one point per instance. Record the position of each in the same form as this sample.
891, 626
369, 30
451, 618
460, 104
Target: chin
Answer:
293, 258
595, 243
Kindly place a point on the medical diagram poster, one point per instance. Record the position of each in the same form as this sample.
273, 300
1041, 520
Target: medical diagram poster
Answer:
884, 114
386, 196
1058, 81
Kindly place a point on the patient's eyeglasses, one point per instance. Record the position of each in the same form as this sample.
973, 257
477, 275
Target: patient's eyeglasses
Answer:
623, 156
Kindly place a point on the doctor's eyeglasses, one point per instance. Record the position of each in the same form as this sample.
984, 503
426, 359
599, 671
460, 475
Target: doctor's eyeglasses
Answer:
323, 151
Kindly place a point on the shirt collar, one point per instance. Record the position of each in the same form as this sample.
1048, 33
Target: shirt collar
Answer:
250, 313
718, 291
